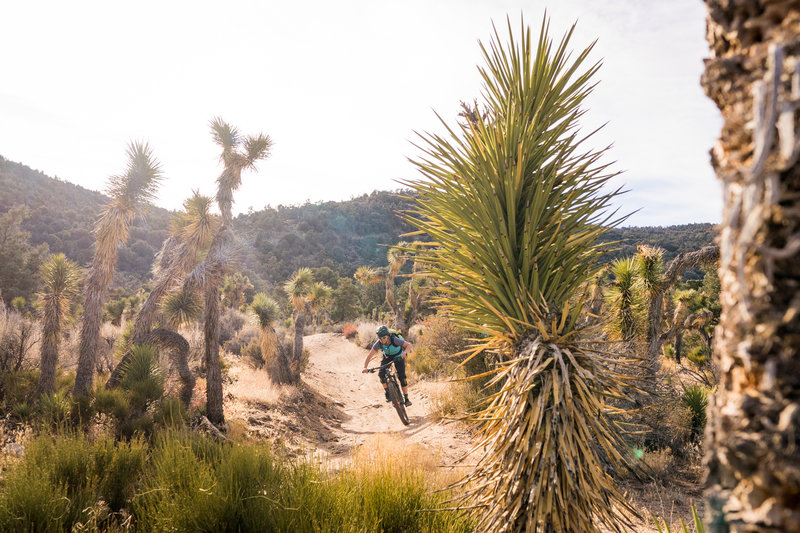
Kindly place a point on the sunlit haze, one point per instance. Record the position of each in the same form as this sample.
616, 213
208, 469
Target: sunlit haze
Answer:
341, 87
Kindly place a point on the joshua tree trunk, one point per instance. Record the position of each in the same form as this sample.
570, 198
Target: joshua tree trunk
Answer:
213, 369
297, 353
753, 441
91, 321
51, 332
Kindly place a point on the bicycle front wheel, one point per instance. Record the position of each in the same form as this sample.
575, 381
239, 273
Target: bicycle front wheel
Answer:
397, 401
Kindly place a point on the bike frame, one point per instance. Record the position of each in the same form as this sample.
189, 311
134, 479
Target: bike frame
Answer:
395, 393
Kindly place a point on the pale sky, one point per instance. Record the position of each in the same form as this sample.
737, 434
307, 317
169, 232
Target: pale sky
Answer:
341, 87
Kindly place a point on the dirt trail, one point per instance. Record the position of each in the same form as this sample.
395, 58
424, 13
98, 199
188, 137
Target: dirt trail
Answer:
335, 371
338, 408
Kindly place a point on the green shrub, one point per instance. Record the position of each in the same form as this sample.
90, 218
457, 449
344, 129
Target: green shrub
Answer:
171, 413
111, 402
22, 412
698, 355
695, 397
54, 410
182, 481
19, 386
142, 377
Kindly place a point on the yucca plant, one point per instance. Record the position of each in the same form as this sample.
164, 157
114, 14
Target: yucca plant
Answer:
514, 205
142, 376
299, 288
61, 279
623, 302
129, 192
267, 312
695, 397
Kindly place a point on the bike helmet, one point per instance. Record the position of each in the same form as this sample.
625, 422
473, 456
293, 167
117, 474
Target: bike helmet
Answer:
382, 331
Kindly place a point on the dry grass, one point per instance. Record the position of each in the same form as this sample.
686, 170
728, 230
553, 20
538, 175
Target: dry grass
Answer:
366, 334
254, 385
383, 452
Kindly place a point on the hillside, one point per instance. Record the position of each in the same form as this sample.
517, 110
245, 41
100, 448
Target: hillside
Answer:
339, 235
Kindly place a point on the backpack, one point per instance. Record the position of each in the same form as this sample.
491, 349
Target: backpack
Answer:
393, 334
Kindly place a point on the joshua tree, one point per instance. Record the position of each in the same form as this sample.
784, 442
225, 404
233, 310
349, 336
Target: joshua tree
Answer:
129, 192
299, 288
61, 279
267, 312
396, 257
238, 154
752, 439
515, 205
191, 232
623, 302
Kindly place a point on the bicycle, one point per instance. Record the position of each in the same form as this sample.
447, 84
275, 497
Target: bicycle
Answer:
393, 387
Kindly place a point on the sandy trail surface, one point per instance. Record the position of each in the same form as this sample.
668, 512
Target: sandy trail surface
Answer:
334, 370
337, 408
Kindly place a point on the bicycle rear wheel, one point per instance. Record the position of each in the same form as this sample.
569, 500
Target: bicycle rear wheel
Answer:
397, 401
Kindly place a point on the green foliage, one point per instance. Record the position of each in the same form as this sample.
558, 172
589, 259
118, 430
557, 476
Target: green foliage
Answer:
61, 479
111, 402
338, 235
695, 397
54, 410
699, 355
171, 413
265, 308
22, 411
61, 218
514, 204
182, 308
698, 524
142, 377
20, 259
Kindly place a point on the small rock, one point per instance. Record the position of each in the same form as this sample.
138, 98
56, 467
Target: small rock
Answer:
337, 402
17, 450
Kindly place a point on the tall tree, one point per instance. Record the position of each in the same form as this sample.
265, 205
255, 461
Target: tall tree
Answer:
752, 440
238, 154
300, 288
129, 192
192, 230
20, 261
516, 204
61, 280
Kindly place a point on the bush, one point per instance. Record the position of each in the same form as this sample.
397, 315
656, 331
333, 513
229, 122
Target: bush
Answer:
230, 323
58, 484
54, 410
245, 336
695, 397
113, 403
365, 336
437, 342
349, 331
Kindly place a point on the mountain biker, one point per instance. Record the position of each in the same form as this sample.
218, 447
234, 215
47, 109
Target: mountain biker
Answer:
394, 349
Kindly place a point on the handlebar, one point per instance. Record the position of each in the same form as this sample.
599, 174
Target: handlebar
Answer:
375, 368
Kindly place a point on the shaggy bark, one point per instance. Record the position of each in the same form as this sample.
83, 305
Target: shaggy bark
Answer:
752, 439
51, 331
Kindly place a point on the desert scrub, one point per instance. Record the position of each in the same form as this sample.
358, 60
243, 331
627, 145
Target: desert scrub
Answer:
61, 480
183, 481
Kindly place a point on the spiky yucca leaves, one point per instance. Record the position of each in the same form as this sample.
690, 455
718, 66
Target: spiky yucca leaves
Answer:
128, 191
237, 154
267, 312
515, 206
182, 307
650, 270
61, 278
623, 302
299, 288
192, 230
142, 376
